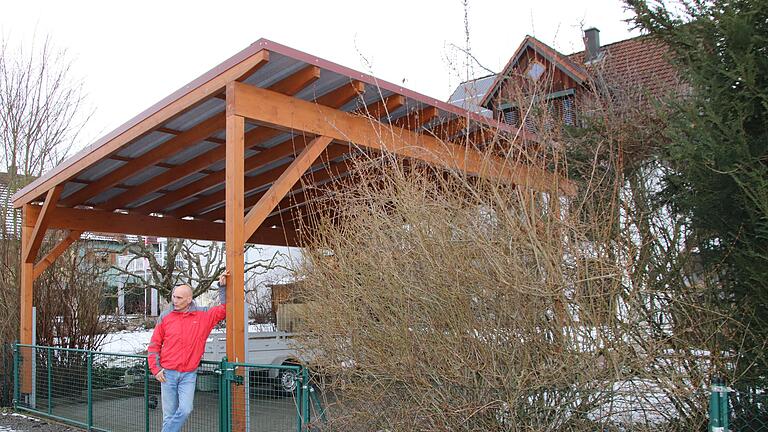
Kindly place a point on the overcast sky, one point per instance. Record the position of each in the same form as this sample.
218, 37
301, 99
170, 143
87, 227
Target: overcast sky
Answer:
132, 54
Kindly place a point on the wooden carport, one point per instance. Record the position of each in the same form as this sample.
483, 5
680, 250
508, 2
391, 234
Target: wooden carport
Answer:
225, 157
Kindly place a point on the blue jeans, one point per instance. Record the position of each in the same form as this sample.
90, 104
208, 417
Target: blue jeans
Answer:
178, 393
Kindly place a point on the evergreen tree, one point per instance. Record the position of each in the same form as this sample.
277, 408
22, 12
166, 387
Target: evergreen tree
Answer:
718, 155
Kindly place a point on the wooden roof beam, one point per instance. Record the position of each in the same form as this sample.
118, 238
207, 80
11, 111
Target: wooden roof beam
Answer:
268, 107
118, 223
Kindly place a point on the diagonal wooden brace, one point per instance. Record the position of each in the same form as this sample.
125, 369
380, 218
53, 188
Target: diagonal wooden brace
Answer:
41, 226
57, 250
284, 183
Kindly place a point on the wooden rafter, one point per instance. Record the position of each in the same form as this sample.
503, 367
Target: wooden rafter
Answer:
282, 185
448, 129
383, 108
41, 225
280, 151
417, 119
335, 98
268, 107
250, 184
192, 136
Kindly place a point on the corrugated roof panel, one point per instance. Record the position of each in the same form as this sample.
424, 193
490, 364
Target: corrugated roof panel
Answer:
185, 181
100, 168
269, 166
191, 152
144, 175
279, 67
145, 199
214, 190
70, 188
106, 195
276, 140
144, 144
177, 204
195, 115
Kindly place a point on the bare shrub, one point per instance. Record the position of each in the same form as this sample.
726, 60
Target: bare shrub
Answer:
440, 301
68, 296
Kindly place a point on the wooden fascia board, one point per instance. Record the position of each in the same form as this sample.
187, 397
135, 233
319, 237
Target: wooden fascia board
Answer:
291, 113
41, 224
143, 123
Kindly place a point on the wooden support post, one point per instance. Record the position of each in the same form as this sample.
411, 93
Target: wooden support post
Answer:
287, 180
25, 300
235, 245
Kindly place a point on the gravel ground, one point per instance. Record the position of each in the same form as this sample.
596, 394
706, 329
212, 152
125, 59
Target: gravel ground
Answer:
13, 422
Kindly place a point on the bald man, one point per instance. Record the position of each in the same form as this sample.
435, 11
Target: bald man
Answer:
176, 348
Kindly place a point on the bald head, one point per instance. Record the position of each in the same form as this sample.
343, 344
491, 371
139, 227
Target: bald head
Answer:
182, 297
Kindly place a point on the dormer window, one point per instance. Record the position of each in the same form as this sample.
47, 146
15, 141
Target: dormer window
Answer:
535, 71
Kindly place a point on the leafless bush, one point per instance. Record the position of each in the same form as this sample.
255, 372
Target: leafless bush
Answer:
439, 301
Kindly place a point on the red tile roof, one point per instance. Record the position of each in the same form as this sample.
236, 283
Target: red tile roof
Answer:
641, 62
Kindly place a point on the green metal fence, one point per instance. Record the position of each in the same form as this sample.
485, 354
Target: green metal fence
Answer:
737, 410
116, 392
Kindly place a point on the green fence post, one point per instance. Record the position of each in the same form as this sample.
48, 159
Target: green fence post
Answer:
16, 360
715, 416
90, 389
50, 373
223, 396
723, 406
146, 395
305, 395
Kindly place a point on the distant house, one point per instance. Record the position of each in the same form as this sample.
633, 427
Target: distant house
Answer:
561, 79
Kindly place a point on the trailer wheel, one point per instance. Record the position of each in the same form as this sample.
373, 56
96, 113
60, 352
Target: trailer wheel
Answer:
287, 380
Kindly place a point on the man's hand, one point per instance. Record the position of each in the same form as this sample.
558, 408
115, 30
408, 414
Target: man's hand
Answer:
160, 376
223, 278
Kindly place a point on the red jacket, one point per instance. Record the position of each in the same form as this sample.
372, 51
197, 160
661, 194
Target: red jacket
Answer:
179, 337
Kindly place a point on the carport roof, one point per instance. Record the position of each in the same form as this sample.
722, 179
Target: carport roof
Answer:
170, 159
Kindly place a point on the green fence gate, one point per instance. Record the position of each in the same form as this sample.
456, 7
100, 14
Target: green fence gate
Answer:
116, 392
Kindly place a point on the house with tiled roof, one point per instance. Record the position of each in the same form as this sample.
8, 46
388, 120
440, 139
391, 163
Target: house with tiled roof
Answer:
639, 64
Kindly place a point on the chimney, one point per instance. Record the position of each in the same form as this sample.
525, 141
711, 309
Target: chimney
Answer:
591, 44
